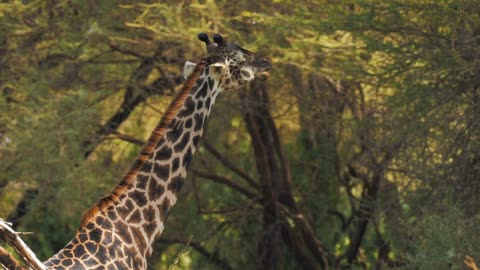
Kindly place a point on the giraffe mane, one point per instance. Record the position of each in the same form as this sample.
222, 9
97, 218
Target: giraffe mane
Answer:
127, 179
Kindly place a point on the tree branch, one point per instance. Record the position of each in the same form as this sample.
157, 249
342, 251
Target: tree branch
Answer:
245, 205
311, 241
7, 261
124, 137
226, 181
298, 248
116, 48
470, 262
213, 257
225, 162
366, 209
11, 237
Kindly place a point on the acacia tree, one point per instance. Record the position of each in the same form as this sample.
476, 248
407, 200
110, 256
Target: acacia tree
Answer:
366, 132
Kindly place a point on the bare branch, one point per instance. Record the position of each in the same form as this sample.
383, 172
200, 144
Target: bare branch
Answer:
223, 211
244, 205
124, 137
309, 235
212, 256
226, 181
225, 162
470, 262
11, 237
7, 261
124, 51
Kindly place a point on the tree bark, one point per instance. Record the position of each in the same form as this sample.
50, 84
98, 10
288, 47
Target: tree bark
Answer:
274, 173
12, 238
269, 248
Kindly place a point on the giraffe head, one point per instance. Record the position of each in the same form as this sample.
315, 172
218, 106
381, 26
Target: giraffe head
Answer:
229, 64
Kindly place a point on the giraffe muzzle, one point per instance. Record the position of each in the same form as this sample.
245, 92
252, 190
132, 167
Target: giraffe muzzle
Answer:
263, 68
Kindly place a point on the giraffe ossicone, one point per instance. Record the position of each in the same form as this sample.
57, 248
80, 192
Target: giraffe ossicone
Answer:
118, 232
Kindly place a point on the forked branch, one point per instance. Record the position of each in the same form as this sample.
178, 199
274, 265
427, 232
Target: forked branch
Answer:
470, 262
9, 236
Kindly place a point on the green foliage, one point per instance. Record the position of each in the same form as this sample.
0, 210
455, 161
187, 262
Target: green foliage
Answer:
365, 94
442, 239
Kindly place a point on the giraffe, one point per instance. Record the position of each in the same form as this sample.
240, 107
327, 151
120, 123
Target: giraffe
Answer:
118, 232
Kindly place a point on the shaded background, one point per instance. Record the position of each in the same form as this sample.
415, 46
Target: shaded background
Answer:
361, 151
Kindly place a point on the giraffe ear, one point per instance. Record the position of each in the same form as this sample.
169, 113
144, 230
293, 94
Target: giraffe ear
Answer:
217, 69
188, 69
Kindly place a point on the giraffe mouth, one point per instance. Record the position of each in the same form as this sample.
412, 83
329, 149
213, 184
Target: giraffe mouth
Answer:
263, 68
262, 76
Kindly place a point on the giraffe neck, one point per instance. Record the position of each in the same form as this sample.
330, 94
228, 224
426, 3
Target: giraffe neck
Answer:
154, 191
122, 227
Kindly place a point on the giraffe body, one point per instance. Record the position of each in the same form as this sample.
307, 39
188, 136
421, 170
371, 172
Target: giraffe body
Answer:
119, 231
